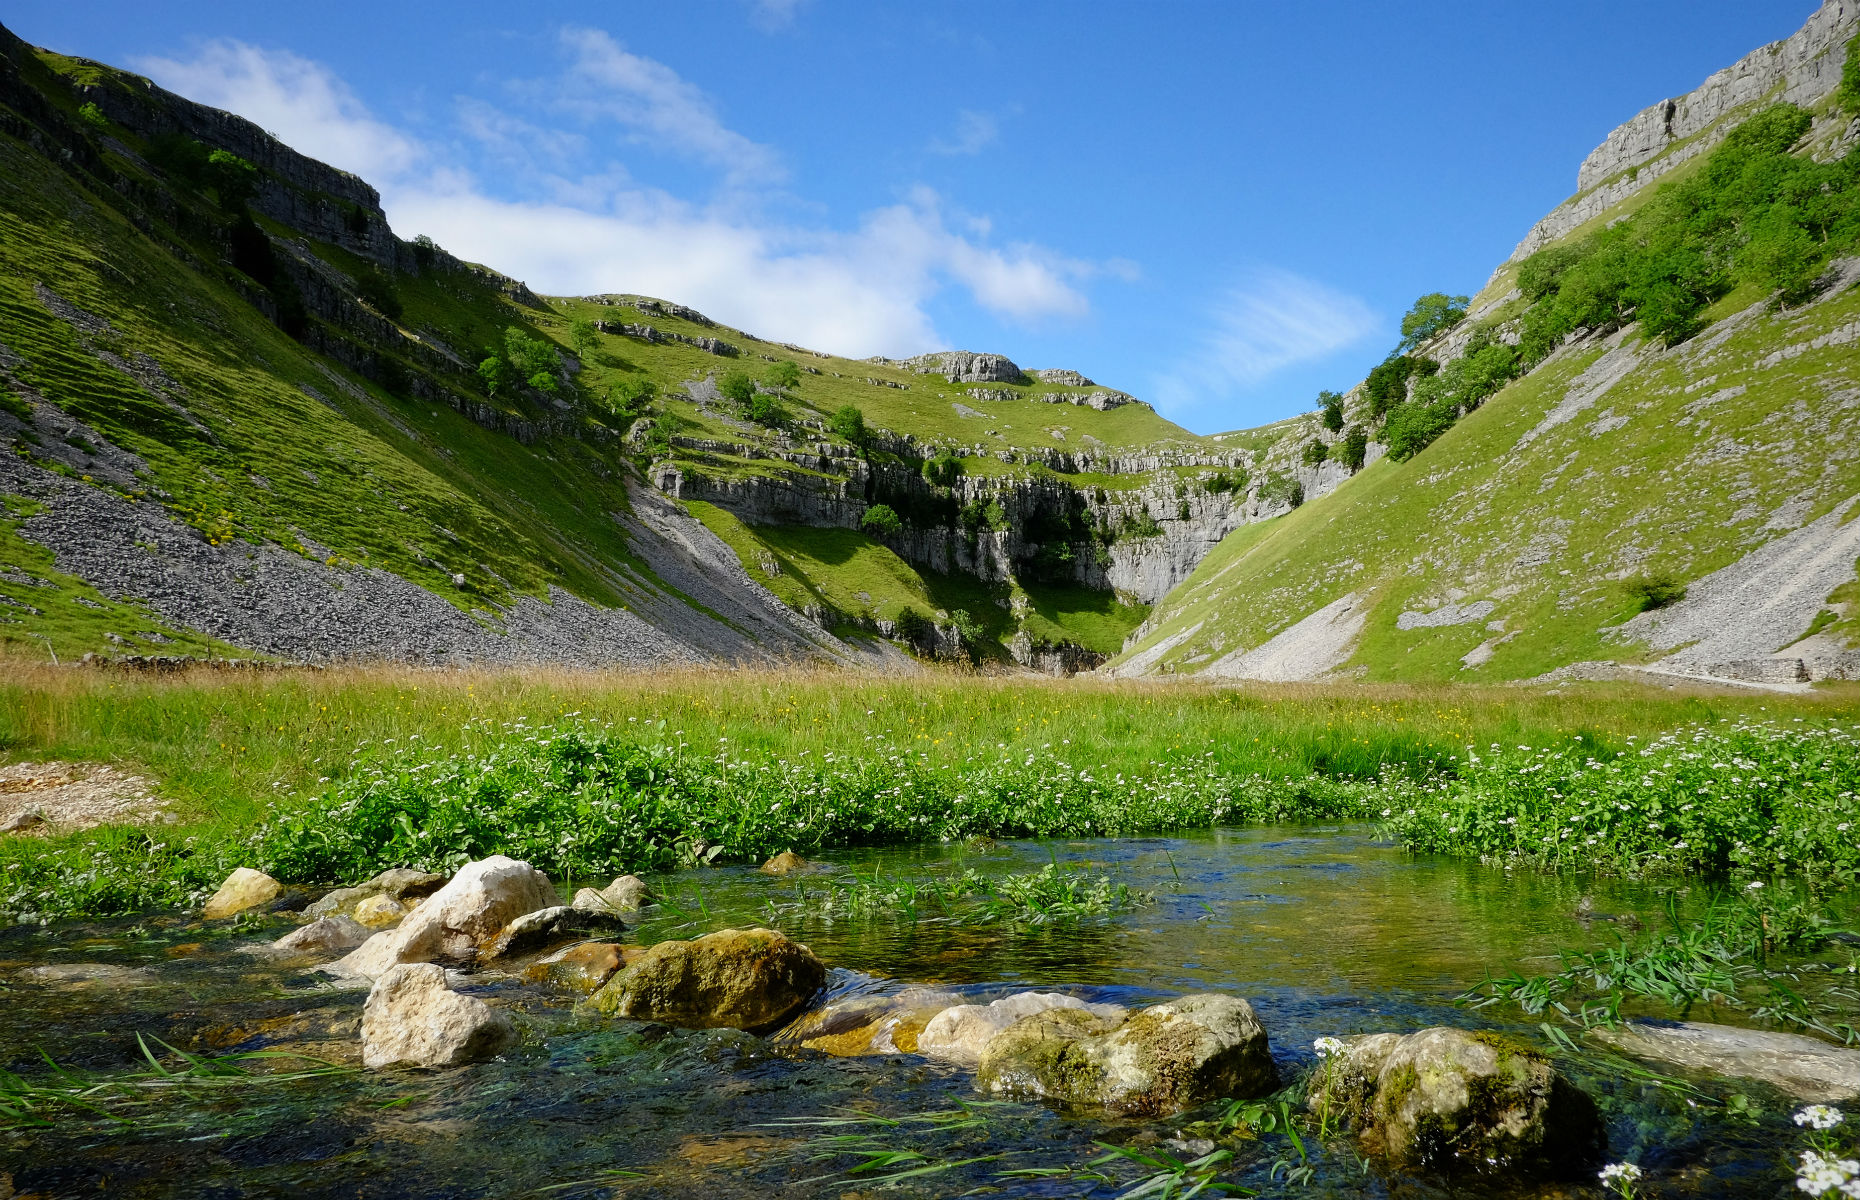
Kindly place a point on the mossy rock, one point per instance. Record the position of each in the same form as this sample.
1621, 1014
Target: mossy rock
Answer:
1162, 1059
1452, 1101
752, 979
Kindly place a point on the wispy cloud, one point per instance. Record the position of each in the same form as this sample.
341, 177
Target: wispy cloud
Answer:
772, 16
298, 100
1272, 320
975, 131
567, 226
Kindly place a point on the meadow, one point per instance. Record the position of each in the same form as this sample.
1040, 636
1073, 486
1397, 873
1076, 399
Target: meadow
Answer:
327, 776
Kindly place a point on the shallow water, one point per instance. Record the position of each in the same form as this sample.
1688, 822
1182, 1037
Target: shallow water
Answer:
1324, 930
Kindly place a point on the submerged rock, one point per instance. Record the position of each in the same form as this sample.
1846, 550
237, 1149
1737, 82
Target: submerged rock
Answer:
1451, 1100
331, 935
243, 889
474, 907
1804, 1067
85, 974
869, 1024
532, 931
742, 978
628, 893
582, 967
1158, 1060
413, 1019
960, 1033
785, 863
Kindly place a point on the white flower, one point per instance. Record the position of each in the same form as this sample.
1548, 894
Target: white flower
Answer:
1327, 1046
1820, 1116
1820, 1176
1626, 1172
1753, 885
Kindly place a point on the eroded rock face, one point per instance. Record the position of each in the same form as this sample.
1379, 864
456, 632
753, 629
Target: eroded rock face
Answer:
413, 1019
243, 889
1160, 1059
741, 978
455, 921
330, 935
961, 1033
1449, 1100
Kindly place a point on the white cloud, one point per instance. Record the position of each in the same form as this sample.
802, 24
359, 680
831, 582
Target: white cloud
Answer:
975, 131
658, 107
298, 100
1271, 321
858, 291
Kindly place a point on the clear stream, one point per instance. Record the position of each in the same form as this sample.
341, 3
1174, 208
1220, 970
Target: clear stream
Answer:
1325, 930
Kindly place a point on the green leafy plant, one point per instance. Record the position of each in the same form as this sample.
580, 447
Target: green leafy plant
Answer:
1649, 592
92, 115
848, 422
1430, 316
881, 521
1330, 405
784, 375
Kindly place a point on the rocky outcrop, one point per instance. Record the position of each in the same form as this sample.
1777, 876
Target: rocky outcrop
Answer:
1062, 376
243, 889
962, 1033
965, 366
456, 921
1802, 69
1159, 1060
737, 978
413, 1019
1452, 1101
785, 863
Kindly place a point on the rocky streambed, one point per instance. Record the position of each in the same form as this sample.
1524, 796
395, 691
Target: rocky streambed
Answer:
1280, 1017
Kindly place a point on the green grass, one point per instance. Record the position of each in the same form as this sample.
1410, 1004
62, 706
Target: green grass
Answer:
1090, 618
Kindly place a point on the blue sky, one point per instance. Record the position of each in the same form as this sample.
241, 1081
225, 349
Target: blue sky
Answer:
1221, 208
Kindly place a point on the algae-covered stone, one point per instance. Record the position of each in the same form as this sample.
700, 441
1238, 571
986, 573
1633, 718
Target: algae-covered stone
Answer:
1161, 1059
582, 967
243, 889
412, 1018
1804, 1067
741, 978
402, 884
785, 863
628, 893
379, 911
1450, 1100
960, 1033
869, 1024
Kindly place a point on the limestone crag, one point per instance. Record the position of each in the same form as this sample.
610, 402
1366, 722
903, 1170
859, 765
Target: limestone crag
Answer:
964, 366
1801, 69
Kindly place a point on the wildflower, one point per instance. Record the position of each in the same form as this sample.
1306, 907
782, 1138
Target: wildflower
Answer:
1753, 885
1327, 1046
1620, 1176
1819, 1117
1822, 1177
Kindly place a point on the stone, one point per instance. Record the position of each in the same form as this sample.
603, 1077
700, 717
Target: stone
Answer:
20, 822
329, 935
868, 1024
243, 889
473, 907
1804, 1067
413, 1019
1158, 1060
379, 911
396, 883
628, 893
1448, 1100
532, 931
785, 863
961, 1033
751, 979
582, 967
85, 974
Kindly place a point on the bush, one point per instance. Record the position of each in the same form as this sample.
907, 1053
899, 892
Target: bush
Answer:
1332, 404
784, 375
911, 627
92, 115
881, 521
533, 360
632, 397
1430, 316
1387, 384
1315, 452
942, 470
765, 409
232, 178
584, 336
849, 422
1412, 428
425, 252
1354, 448
1466, 382
1142, 525
736, 386
1222, 482
1649, 592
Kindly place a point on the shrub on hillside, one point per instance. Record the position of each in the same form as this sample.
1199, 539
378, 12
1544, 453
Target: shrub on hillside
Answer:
1354, 448
1412, 427
1430, 316
911, 627
943, 469
1387, 384
1315, 452
784, 375
1649, 592
736, 386
881, 521
375, 288
1332, 406
849, 422
1280, 488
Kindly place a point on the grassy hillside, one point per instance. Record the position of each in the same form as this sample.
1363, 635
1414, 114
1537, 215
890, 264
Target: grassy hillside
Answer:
195, 319
1697, 397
